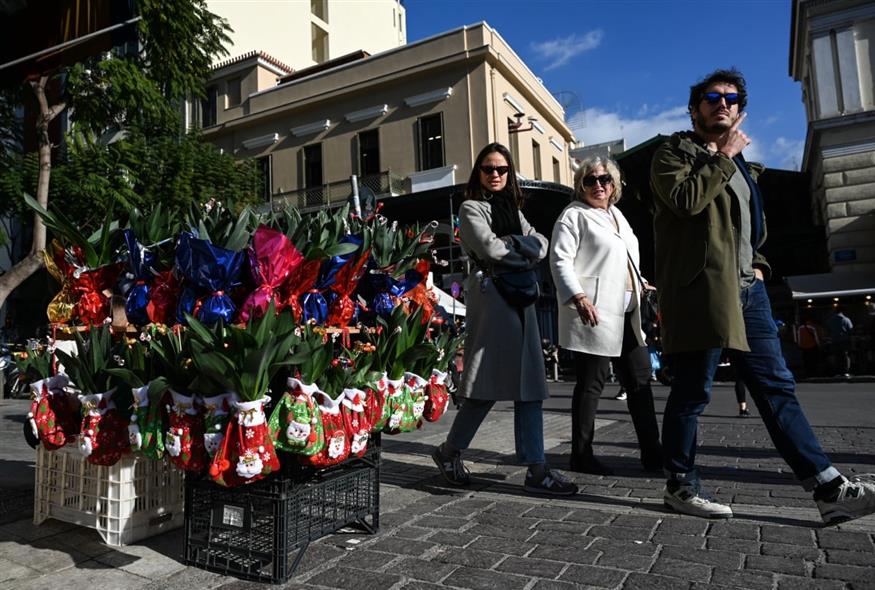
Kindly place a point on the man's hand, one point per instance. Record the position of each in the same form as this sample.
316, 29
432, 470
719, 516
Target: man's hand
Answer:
758, 274
734, 140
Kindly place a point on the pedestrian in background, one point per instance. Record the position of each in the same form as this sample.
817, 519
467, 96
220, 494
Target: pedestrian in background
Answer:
840, 328
808, 341
594, 260
503, 356
708, 228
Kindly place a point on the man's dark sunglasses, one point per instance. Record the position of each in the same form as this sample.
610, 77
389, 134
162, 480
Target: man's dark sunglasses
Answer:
604, 179
731, 98
488, 170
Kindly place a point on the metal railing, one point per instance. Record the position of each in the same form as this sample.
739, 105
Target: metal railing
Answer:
334, 194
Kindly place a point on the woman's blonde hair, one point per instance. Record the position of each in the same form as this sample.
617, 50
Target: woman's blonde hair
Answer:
591, 164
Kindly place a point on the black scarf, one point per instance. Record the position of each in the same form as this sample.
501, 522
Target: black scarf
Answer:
505, 214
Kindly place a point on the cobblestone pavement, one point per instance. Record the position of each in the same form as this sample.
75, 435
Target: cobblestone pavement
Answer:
614, 534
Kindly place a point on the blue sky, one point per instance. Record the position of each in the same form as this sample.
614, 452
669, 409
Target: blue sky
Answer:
631, 62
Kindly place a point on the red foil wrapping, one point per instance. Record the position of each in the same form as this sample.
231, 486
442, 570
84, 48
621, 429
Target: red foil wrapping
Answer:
299, 283
163, 298
272, 259
90, 291
343, 308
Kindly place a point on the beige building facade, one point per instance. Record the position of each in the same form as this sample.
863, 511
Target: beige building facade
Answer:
308, 32
404, 120
832, 53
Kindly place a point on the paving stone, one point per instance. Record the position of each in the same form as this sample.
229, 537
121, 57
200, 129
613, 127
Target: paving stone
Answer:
727, 559
502, 545
548, 512
422, 569
554, 585
675, 540
489, 530
576, 528
637, 581
588, 516
496, 519
639, 563
778, 565
365, 559
542, 537
316, 555
400, 546
734, 530
754, 580
539, 568
568, 554
449, 539
840, 539
736, 545
788, 535
794, 583
609, 546
783, 550
469, 557
684, 570
850, 557
593, 576
466, 577
847, 573
509, 508
412, 532
354, 579
635, 520
683, 526
432, 521
464, 508
620, 533
421, 586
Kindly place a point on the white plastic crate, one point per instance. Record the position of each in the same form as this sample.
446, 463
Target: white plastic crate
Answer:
131, 500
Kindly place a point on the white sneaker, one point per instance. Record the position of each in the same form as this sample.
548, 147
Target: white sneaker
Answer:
687, 500
621, 395
855, 498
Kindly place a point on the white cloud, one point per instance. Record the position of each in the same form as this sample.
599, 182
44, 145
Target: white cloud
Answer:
560, 51
596, 125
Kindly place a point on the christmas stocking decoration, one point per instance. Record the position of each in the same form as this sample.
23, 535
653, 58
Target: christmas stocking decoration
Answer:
295, 424
416, 388
217, 413
400, 408
377, 404
336, 448
256, 455
104, 438
355, 419
54, 415
184, 440
146, 428
437, 397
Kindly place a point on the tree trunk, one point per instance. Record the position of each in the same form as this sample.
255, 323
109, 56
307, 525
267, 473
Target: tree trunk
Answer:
34, 260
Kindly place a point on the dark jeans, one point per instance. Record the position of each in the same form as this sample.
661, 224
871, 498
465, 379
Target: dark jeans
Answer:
633, 370
528, 428
771, 387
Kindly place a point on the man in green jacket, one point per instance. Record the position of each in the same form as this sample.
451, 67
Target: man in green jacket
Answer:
708, 227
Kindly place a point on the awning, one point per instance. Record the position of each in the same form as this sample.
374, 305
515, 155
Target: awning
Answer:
831, 284
446, 301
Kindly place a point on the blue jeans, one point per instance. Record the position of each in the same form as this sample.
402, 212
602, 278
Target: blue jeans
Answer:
771, 387
528, 428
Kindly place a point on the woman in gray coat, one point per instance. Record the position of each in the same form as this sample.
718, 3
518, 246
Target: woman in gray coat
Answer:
503, 358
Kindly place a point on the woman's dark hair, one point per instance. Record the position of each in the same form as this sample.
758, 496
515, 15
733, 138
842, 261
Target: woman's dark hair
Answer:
474, 189
730, 76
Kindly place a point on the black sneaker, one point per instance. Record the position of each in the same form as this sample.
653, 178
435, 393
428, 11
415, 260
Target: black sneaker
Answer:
554, 483
745, 413
453, 469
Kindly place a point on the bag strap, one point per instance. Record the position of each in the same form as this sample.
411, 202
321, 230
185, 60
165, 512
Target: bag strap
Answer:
641, 280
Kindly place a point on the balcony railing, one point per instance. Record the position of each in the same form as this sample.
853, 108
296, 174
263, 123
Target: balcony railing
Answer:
335, 194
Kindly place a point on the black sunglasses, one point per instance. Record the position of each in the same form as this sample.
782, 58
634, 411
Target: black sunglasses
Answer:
604, 179
731, 98
488, 170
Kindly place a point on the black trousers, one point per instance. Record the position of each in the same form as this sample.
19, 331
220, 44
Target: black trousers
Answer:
632, 368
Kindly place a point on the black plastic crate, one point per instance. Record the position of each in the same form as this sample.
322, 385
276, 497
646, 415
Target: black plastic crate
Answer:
261, 531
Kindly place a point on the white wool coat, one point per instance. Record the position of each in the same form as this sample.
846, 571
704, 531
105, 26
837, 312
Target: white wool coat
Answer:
590, 255
503, 356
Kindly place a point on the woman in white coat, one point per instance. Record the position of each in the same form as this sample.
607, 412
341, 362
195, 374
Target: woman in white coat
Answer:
503, 357
594, 261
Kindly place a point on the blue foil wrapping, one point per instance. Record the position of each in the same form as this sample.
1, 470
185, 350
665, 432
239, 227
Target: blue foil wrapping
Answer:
209, 272
140, 263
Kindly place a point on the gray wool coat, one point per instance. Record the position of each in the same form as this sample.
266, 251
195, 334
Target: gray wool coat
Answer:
503, 356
